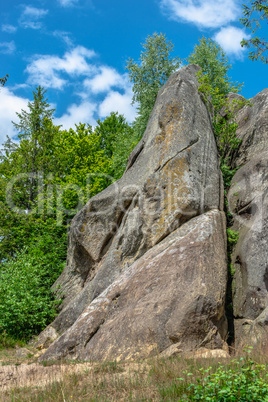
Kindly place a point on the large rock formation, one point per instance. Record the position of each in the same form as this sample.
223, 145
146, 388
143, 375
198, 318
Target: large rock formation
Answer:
146, 264
249, 204
252, 129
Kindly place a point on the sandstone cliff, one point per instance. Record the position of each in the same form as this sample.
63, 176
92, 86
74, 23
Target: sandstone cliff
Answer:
248, 203
146, 270
146, 266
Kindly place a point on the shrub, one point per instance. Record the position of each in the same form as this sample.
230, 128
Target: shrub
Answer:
27, 304
243, 380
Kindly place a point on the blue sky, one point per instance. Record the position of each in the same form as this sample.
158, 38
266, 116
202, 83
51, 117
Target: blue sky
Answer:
77, 50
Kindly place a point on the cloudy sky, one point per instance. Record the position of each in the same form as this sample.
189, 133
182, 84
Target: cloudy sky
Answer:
77, 50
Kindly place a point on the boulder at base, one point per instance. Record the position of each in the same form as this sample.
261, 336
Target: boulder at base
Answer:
174, 293
118, 240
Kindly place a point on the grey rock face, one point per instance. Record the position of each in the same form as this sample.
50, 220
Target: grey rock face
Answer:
252, 129
248, 202
172, 176
174, 293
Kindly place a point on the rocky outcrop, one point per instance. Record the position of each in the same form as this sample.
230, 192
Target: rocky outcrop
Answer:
174, 294
248, 202
146, 264
252, 128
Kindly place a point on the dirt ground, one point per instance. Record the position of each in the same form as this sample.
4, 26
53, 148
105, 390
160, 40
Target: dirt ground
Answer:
19, 368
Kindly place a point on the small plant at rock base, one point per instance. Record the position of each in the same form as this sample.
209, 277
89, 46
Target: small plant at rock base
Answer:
243, 380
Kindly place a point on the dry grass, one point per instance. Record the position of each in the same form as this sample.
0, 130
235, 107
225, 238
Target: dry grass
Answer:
151, 380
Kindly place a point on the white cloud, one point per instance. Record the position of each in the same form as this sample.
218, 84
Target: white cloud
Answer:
7, 47
117, 102
67, 3
9, 28
82, 113
30, 17
106, 78
45, 70
9, 105
204, 13
229, 38
102, 89
64, 36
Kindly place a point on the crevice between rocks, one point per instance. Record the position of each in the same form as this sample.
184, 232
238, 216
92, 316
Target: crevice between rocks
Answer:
134, 155
93, 333
110, 236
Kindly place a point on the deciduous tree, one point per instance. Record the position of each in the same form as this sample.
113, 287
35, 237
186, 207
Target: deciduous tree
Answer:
149, 74
253, 15
209, 55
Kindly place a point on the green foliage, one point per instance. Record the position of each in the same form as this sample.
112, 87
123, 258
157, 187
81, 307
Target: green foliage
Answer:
45, 179
243, 380
232, 239
258, 11
149, 75
213, 61
81, 162
227, 173
22, 166
111, 130
4, 80
27, 304
118, 139
33, 154
8, 342
223, 115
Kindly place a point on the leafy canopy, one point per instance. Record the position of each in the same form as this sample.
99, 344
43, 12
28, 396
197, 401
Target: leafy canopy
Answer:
27, 304
253, 15
213, 61
149, 74
118, 139
53, 172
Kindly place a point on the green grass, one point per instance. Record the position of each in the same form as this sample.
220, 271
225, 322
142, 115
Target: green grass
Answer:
174, 379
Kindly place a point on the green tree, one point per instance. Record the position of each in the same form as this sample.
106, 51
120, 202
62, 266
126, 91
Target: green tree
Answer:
52, 173
36, 133
253, 15
27, 303
149, 74
213, 61
118, 139
110, 130
22, 165
82, 164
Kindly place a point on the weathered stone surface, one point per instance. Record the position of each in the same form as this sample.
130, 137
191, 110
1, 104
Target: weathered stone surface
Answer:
23, 352
45, 338
252, 129
172, 176
248, 201
174, 293
253, 333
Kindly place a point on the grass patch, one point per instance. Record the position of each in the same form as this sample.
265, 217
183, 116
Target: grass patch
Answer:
173, 379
